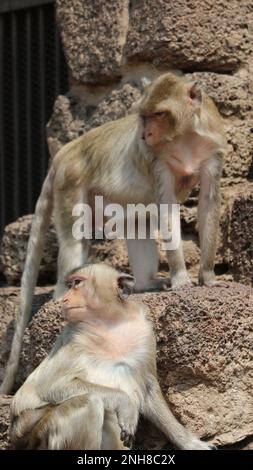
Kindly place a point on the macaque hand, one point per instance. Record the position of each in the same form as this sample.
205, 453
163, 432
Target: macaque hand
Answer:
128, 414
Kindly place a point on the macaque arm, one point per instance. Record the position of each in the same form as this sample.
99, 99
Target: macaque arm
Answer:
158, 412
114, 400
208, 218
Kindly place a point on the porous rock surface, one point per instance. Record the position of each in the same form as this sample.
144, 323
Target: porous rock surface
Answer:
13, 248
237, 233
100, 38
190, 34
4, 424
9, 300
79, 111
93, 34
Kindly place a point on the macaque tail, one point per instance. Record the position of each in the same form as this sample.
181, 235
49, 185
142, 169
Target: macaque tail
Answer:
41, 221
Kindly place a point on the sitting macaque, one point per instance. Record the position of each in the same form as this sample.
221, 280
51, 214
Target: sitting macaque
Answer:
100, 375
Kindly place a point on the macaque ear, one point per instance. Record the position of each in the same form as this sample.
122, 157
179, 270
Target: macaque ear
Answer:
145, 82
126, 284
195, 93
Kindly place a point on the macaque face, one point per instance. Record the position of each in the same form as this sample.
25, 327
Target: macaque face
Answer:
83, 297
157, 128
93, 290
76, 301
169, 115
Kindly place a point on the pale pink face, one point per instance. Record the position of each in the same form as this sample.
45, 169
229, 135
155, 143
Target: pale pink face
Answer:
79, 299
94, 292
169, 130
155, 129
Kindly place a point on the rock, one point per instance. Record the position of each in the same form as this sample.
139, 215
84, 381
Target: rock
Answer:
4, 424
204, 356
229, 92
9, 301
238, 161
8, 305
237, 233
66, 123
93, 34
190, 35
81, 109
14, 247
115, 105
205, 360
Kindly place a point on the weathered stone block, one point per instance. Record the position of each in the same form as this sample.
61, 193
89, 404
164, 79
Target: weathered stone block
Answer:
210, 35
93, 34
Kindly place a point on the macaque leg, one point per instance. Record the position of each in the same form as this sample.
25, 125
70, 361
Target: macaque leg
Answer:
76, 424
170, 223
178, 272
73, 252
21, 427
157, 411
143, 258
114, 401
208, 219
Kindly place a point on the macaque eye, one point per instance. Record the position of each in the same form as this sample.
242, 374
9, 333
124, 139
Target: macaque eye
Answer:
160, 114
73, 283
76, 282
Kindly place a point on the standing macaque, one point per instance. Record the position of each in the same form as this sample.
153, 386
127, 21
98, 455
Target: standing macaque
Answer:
158, 155
100, 375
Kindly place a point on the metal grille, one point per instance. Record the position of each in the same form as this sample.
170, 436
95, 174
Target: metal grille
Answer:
33, 72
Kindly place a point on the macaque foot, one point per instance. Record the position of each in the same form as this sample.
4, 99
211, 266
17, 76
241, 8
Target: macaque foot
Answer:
208, 279
154, 284
128, 420
126, 437
159, 284
197, 444
216, 283
181, 280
